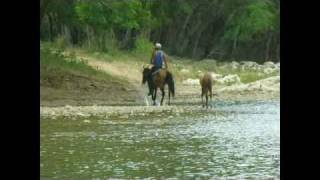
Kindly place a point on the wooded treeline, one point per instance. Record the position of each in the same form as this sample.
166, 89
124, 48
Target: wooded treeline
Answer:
219, 29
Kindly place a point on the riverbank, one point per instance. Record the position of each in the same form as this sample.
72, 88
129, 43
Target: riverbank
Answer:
76, 77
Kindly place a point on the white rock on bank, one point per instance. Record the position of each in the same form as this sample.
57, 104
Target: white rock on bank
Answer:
229, 79
80, 114
235, 65
269, 64
250, 65
68, 107
208, 61
216, 76
191, 82
184, 71
269, 70
271, 84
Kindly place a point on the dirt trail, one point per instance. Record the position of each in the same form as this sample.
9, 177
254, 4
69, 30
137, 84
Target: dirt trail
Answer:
119, 69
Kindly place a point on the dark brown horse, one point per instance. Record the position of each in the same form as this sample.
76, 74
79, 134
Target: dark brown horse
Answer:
206, 82
158, 80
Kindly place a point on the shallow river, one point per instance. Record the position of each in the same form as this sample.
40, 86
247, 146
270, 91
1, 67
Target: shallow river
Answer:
236, 140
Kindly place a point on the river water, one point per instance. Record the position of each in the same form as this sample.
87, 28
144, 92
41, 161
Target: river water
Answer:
235, 140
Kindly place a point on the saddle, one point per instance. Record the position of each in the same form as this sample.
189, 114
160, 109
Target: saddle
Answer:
159, 74
157, 71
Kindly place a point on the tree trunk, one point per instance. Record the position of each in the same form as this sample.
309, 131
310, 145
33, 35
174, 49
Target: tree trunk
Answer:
50, 26
278, 52
126, 39
195, 47
202, 26
43, 7
146, 33
67, 34
182, 39
267, 52
88, 37
171, 37
234, 46
191, 33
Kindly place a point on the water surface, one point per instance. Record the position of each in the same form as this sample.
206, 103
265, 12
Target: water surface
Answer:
238, 140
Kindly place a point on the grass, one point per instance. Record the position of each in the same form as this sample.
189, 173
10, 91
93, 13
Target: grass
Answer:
66, 79
251, 76
52, 61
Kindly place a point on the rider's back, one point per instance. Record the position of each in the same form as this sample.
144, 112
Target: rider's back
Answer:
158, 59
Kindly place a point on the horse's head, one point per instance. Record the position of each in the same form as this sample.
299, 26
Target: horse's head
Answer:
145, 73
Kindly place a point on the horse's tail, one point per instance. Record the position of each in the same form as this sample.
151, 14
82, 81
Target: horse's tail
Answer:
170, 81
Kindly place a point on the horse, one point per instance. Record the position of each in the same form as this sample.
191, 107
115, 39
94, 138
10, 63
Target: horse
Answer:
158, 80
206, 82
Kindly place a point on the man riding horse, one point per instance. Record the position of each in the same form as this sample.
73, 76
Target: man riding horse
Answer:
158, 57
158, 76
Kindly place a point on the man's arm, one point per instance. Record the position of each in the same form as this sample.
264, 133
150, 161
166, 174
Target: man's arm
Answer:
165, 58
152, 57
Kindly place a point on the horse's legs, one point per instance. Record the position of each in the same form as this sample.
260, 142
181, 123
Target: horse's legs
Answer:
207, 100
150, 87
169, 97
155, 96
202, 97
152, 94
162, 90
210, 89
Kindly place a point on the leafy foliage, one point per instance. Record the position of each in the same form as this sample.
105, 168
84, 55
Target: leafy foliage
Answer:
255, 19
220, 29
